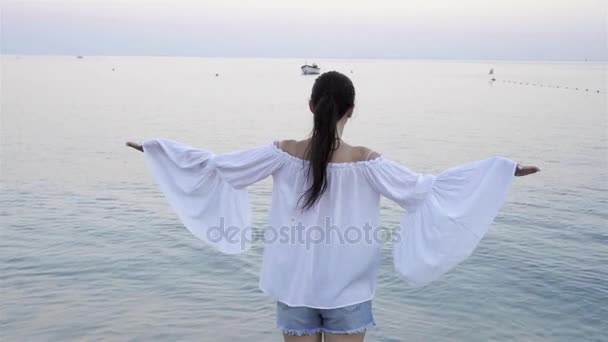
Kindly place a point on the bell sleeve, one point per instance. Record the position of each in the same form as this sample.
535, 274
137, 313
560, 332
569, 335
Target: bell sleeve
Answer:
208, 191
446, 215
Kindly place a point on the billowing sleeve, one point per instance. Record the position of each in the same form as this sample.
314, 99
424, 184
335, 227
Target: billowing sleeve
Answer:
208, 191
446, 215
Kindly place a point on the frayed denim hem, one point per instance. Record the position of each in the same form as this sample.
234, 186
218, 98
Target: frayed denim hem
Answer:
305, 332
352, 331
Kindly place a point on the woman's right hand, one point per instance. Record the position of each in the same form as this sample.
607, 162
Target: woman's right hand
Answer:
135, 146
522, 170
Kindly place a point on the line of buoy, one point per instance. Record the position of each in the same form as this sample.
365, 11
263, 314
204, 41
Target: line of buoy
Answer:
543, 85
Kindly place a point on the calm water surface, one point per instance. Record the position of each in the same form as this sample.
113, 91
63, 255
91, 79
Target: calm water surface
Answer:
89, 250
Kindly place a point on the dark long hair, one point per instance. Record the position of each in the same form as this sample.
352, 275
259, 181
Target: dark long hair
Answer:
333, 95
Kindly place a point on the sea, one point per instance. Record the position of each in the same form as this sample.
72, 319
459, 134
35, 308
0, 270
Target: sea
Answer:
90, 250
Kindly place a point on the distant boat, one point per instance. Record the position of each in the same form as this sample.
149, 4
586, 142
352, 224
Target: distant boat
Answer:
310, 69
79, 57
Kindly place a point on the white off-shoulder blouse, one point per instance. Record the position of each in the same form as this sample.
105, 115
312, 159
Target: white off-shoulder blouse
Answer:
328, 256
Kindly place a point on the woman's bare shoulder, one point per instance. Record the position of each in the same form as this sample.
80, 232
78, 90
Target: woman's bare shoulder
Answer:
293, 147
297, 148
365, 153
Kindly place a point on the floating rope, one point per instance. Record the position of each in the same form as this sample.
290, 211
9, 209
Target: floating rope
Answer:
546, 85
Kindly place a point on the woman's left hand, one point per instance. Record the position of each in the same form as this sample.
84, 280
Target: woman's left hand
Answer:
135, 146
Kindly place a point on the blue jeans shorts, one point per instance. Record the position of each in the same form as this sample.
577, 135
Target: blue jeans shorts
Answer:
301, 320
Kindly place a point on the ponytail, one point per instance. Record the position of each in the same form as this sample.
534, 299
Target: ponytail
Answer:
332, 96
324, 141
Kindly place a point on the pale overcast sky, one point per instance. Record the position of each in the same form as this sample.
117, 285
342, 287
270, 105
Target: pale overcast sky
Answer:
444, 29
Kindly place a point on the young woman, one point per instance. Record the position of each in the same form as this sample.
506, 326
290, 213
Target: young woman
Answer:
322, 246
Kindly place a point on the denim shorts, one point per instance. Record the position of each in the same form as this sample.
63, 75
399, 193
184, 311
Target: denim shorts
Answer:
301, 320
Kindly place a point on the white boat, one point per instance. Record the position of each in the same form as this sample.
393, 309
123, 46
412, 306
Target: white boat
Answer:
310, 69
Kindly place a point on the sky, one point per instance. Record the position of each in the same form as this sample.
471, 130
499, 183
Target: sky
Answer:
431, 29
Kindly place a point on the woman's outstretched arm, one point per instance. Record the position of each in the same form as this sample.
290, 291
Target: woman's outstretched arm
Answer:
208, 190
448, 214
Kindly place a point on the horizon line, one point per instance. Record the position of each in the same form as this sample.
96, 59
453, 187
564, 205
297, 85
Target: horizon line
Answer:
307, 58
